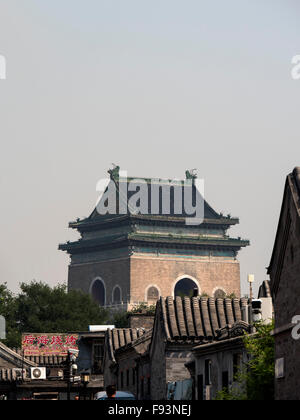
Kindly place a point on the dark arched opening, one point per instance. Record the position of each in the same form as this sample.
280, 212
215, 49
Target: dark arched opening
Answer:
186, 287
98, 292
117, 295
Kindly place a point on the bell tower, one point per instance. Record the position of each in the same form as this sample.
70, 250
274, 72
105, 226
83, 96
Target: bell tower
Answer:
130, 257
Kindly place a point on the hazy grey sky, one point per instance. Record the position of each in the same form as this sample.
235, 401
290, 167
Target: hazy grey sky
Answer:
157, 87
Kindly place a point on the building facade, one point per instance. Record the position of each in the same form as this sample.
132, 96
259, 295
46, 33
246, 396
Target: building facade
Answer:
17, 380
126, 361
284, 272
125, 259
216, 364
186, 334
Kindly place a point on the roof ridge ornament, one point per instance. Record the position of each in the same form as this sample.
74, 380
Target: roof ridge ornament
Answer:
114, 172
191, 174
237, 329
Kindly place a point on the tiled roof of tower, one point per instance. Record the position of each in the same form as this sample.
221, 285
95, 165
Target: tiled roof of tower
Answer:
172, 239
178, 217
176, 187
177, 192
200, 319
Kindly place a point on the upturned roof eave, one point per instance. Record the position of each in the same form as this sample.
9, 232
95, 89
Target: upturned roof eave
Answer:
133, 239
191, 241
101, 221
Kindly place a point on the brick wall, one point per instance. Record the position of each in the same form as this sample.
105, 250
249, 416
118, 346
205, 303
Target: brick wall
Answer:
287, 305
135, 274
141, 321
221, 361
158, 363
134, 371
175, 364
113, 272
163, 272
110, 375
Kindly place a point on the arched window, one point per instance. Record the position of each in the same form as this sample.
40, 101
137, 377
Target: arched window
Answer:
219, 294
117, 295
152, 294
98, 292
186, 287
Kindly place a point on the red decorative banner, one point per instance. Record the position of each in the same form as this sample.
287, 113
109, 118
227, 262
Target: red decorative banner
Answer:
49, 344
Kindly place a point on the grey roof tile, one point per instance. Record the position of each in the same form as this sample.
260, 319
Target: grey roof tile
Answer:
198, 318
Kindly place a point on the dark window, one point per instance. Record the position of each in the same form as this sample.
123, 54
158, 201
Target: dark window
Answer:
225, 380
117, 295
122, 380
149, 386
133, 376
200, 388
127, 374
98, 292
98, 355
142, 388
207, 372
185, 287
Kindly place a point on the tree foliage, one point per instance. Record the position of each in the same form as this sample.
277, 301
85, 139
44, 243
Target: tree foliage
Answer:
120, 319
8, 310
255, 381
41, 309
143, 308
261, 366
